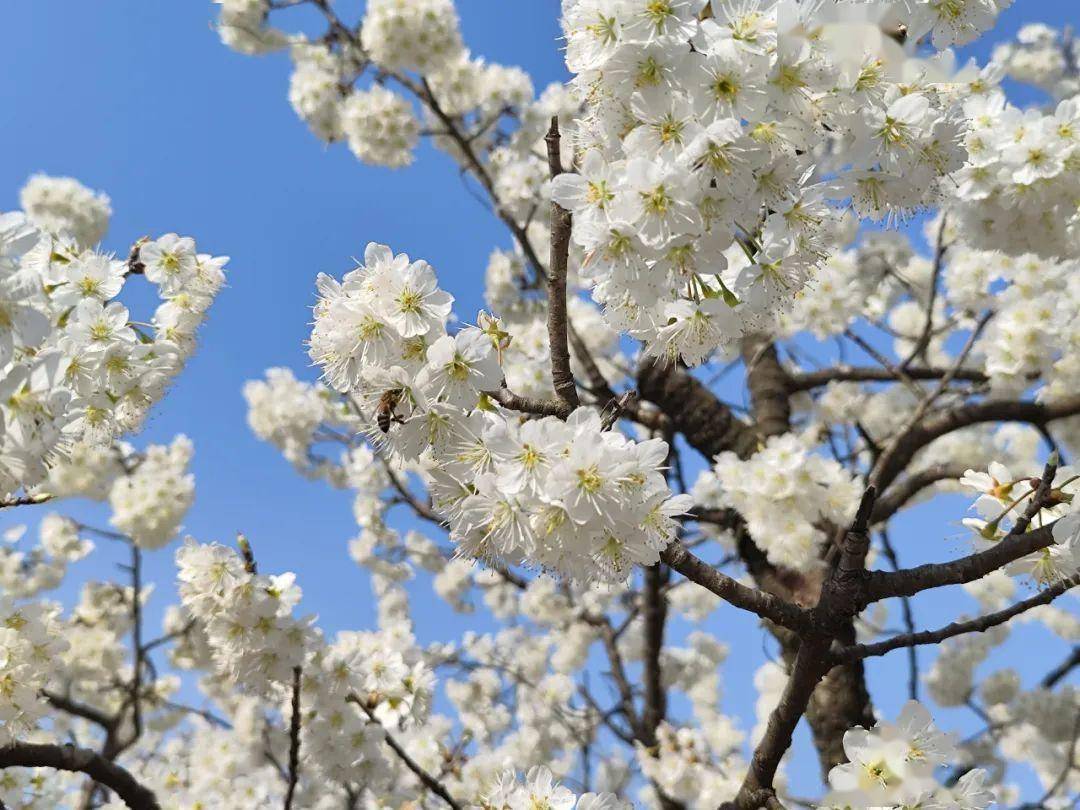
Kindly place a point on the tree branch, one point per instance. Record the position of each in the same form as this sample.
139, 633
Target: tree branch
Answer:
1061, 670
898, 495
943, 422
531, 405
80, 760
655, 616
978, 625
294, 740
562, 377
766, 605
429, 781
910, 581
808, 380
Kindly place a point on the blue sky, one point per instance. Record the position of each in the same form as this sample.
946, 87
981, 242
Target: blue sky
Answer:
140, 99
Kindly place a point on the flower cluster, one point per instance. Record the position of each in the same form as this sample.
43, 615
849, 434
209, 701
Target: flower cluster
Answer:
214, 767
420, 35
550, 492
539, 789
693, 765
569, 496
73, 364
24, 574
380, 127
247, 617
63, 204
1017, 192
288, 413
787, 494
892, 765
700, 200
1043, 57
29, 643
242, 26
149, 503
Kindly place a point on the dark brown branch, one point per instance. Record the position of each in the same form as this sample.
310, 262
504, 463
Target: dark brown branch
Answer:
562, 377
928, 400
946, 421
86, 712
910, 581
769, 387
81, 760
294, 740
532, 405
832, 617
710, 427
428, 781
617, 672
907, 488
137, 649
808, 380
908, 616
923, 340
978, 625
1054, 676
655, 617
693, 410
811, 664
765, 605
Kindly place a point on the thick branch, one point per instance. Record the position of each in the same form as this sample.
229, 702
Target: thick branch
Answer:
708, 425
769, 386
80, 760
811, 664
943, 422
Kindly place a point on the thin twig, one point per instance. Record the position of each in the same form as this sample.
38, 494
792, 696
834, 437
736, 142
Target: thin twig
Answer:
978, 625
562, 378
294, 740
429, 781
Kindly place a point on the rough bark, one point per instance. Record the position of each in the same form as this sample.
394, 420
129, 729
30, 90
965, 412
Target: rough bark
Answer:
708, 425
841, 699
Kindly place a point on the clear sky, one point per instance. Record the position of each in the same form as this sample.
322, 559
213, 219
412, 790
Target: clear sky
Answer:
138, 98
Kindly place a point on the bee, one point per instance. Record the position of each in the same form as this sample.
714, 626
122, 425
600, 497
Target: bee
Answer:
384, 410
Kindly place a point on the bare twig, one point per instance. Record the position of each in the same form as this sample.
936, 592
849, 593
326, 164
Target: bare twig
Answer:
923, 340
909, 618
294, 740
978, 625
428, 781
808, 380
562, 377
1054, 676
